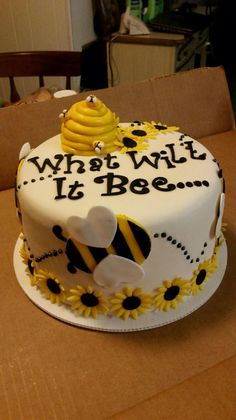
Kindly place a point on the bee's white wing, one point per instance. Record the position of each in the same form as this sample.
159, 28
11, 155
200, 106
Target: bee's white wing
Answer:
220, 216
97, 229
113, 270
24, 151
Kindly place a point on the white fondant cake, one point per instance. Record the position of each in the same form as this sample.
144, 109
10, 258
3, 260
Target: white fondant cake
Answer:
121, 233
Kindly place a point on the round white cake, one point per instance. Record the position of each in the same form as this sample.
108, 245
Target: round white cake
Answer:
122, 232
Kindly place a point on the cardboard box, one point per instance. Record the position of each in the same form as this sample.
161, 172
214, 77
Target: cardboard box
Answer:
51, 370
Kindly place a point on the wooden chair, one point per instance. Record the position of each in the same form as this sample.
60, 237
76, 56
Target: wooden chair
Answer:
39, 63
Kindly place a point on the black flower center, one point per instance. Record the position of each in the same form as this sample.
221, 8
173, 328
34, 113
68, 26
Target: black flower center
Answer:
30, 266
201, 277
128, 142
171, 292
89, 299
140, 133
131, 302
160, 127
53, 286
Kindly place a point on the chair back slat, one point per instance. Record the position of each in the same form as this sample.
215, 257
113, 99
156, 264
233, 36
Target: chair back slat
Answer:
39, 63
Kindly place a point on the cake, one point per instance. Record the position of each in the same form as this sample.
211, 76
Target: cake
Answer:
119, 220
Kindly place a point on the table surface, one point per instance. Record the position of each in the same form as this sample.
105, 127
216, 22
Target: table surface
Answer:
51, 370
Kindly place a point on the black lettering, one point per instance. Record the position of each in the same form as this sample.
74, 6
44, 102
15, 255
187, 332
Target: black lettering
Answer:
139, 186
59, 185
110, 165
113, 187
47, 162
145, 159
168, 162
193, 152
70, 161
161, 184
95, 164
173, 155
74, 189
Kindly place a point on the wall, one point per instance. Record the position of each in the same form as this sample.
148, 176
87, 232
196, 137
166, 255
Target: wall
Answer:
43, 25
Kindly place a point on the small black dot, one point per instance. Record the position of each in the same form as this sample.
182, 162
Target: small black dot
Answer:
174, 242
205, 183
197, 259
25, 182
41, 178
179, 245
169, 238
205, 245
160, 127
33, 180
197, 183
189, 184
180, 185
183, 248
163, 235
185, 253
191, 261
163, 152
220, 173
202, 253
50, 176
156, 235
188, 257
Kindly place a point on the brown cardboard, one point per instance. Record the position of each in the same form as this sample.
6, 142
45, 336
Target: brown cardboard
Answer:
51, 370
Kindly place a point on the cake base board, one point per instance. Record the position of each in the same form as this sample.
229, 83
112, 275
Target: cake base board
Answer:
112, 324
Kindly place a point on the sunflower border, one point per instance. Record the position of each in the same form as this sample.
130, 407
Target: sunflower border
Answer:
126, 303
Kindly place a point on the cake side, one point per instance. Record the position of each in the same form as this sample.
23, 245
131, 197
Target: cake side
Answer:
133, 230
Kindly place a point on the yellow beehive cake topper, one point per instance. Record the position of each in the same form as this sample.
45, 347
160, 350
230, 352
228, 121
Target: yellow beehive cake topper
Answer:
89, 128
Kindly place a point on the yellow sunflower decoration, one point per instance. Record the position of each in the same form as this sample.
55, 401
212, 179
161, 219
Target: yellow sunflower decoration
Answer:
87, 301
171, 293
202, 274
130, 303
224, 227
214, 257
28, 262
161, 128
135, 137
50, 286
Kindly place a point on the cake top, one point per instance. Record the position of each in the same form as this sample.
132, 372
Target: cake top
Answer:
89, 128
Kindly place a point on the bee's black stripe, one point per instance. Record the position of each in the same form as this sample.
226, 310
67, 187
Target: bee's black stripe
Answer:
98, 253
120, 245
75, 257
141, 238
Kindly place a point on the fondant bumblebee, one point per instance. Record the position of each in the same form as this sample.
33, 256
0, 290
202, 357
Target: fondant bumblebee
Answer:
111, 247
